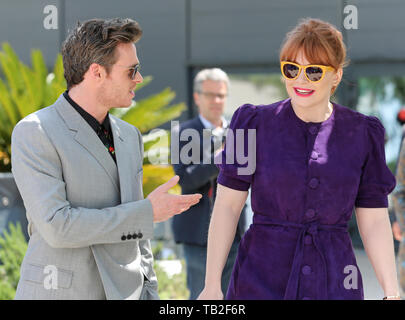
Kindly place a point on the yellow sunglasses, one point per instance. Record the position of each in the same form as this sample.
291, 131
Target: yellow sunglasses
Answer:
313, 72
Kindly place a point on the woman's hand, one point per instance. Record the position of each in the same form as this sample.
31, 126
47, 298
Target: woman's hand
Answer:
396, 230
211, 294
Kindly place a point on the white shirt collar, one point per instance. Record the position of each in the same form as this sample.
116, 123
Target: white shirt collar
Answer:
209, 125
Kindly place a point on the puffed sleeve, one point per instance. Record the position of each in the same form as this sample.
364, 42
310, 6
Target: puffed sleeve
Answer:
377, 180
238, 159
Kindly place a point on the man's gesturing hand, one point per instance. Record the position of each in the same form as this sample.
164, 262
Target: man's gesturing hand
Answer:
166, 205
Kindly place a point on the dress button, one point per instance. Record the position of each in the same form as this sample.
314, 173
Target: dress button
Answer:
129, 237
306, 270
140, 235
123, 238
313, 183
310, 213
134, 236
308, 240
313, 130
314, 155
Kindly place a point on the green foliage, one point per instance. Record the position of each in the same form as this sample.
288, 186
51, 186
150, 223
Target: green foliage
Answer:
377, 86
169, 288
153, 176
392, 165
24, 90
174, 287
12, 250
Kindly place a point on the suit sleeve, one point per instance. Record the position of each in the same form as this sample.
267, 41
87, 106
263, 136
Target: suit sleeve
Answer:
37, 170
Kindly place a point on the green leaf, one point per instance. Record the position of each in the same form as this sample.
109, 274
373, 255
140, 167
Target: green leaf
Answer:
148, 113
12, 250
6, 105
11, 67
24, 90
144, 83
40, 73
58, 70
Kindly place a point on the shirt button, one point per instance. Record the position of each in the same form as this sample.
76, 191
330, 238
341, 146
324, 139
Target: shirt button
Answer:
308, 240
306, 270
313, 183
314, 155
313, 130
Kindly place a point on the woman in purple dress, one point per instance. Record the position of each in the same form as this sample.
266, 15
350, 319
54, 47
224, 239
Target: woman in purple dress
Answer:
314, 162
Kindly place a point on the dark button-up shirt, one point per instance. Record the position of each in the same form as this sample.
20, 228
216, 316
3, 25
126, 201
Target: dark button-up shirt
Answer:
102, 130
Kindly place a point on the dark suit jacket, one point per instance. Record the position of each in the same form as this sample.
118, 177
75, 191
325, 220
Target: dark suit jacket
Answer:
192, 225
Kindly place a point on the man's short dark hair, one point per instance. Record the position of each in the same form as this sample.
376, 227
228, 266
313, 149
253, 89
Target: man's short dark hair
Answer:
94, 41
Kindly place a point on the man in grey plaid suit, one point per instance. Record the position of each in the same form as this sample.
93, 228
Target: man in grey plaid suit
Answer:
79, 172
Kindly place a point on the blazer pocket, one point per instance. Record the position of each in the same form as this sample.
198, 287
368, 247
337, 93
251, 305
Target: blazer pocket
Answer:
35, 273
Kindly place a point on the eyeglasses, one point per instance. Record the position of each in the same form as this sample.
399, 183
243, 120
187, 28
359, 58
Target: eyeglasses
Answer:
211, 95
132, 70
313, 72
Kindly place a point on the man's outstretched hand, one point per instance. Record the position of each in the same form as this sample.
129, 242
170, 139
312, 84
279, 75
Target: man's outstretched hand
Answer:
166, 205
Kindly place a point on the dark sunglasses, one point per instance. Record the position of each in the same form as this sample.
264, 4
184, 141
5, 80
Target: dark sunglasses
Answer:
313, 72
132, 70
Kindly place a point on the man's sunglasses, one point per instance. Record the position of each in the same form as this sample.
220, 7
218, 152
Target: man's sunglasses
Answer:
313, 72
132, 70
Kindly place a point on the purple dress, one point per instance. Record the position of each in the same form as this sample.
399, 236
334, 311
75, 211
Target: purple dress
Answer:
308, 179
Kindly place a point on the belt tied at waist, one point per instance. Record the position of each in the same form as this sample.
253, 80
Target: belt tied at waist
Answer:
311, 228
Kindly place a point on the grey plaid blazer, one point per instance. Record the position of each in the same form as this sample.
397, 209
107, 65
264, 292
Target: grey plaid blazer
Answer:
89, 225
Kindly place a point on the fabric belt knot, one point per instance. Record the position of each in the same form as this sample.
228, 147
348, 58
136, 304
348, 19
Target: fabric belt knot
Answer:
312, 228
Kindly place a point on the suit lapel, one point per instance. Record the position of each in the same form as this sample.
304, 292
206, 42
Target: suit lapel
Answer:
198, 125
125, 167
86, 136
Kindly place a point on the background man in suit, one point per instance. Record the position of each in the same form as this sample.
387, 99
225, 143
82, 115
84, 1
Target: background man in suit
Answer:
79, 172
191, 228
